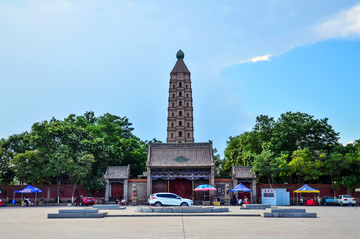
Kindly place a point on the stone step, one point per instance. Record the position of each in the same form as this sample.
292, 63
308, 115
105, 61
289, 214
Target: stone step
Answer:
183, 209
290, 214
287, 210
78, 211
256, 206
76, 215
109, 207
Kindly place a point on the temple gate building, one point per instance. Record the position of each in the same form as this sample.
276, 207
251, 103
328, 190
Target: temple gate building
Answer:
180, 165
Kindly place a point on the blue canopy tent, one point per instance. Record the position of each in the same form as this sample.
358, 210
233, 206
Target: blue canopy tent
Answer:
29, 189
241, 188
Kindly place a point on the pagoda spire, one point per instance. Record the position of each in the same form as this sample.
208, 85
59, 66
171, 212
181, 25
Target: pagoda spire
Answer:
180, 109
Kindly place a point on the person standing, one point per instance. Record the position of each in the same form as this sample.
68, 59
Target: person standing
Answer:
234, 200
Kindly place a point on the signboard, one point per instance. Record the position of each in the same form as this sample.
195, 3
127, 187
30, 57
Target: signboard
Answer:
220, 190
268, 193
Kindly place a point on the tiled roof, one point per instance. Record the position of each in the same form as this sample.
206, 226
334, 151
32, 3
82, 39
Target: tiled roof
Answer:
117, 172
242, 172
180, 67
180, 155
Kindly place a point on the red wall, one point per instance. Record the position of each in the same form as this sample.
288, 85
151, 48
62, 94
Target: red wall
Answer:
65, 192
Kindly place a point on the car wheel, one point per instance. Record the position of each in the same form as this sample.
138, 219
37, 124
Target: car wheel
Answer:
184, 204
157, 204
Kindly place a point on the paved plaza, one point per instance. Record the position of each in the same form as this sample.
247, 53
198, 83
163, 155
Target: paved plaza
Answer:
332, 222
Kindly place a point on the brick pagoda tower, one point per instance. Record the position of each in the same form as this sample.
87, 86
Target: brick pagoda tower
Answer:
180, 111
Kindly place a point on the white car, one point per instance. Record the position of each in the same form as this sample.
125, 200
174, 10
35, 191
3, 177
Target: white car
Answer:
345, 200
168, 199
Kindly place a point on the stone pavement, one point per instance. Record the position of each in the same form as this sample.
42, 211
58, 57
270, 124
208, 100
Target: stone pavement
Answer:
332, 222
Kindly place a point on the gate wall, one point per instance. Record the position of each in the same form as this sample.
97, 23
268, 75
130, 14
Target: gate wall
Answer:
159, 186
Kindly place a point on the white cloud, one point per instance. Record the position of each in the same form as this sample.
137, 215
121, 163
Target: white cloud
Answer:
344, 24
258, 58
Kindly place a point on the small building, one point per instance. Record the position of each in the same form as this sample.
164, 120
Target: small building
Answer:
275, 196
244, 175
117, 178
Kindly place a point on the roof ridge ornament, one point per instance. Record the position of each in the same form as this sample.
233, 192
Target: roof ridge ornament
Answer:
180, 55
181, 159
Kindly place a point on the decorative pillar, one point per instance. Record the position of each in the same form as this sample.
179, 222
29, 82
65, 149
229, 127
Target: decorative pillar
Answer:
149, 182
107, 190
126, 184
254, 193
212, 181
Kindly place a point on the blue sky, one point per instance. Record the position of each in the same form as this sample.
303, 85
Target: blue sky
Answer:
246, 58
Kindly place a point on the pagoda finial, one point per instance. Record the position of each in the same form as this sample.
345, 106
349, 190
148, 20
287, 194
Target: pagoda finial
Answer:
180, 55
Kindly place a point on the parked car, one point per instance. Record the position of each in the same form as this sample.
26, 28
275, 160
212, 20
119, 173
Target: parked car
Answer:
84, 200
345, 200
168, 199
327, 200
0, 203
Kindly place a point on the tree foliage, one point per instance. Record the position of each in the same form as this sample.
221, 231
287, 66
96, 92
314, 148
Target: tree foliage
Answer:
296, 148
76, 149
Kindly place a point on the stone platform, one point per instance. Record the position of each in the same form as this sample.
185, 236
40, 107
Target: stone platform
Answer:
182, 209
77, 213
255, 206
298, 213
109, 207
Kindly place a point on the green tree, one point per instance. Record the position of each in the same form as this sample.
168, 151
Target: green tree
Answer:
305, 166
31, 166
240, 151
15, 144
114, 145
351, 170
298, 130
266, 165
219, 165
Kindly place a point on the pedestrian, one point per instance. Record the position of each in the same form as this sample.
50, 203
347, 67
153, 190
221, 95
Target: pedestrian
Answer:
27, 202
240, 202
245, 201
234, 200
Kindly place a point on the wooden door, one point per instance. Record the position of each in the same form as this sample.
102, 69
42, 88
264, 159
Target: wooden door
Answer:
181, 187
117, 189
